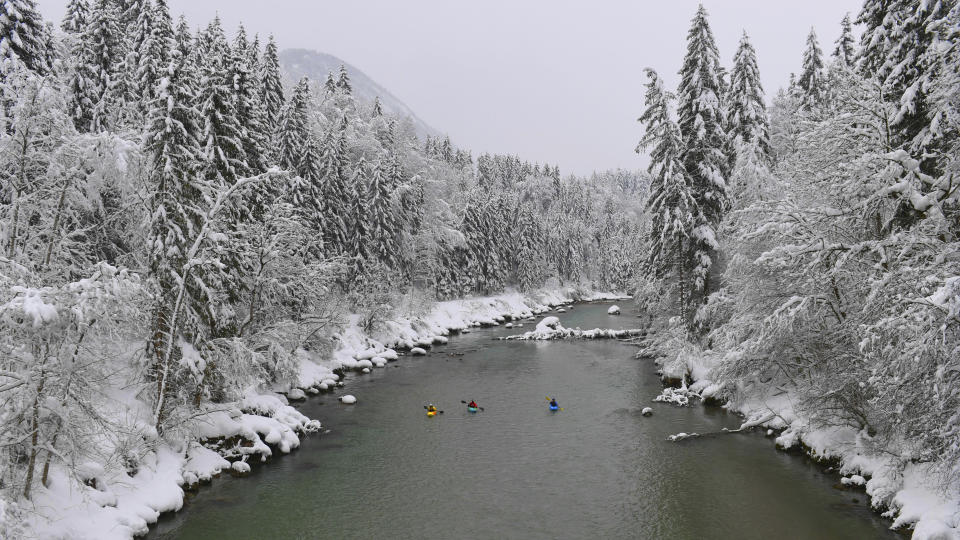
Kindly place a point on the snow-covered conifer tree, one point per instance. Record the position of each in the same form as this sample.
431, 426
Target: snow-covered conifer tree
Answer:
747, 110
224, 155
701, 127
76, 18
844, 51
272, 86
294, 130
811, 80
23, 37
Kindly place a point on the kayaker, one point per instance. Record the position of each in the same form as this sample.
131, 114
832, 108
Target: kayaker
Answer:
472, 404
553, 402
431, 408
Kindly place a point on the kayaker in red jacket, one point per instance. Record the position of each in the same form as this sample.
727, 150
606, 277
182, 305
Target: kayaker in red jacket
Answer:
472, 404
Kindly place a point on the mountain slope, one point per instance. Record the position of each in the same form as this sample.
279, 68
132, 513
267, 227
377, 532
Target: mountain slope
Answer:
297, 63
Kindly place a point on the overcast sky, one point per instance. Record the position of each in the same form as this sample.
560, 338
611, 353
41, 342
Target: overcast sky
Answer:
554, 81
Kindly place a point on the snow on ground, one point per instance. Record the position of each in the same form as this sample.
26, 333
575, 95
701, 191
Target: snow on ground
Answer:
114, 503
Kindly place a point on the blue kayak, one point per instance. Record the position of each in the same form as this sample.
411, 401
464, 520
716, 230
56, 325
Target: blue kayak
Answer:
554, 407
472, 409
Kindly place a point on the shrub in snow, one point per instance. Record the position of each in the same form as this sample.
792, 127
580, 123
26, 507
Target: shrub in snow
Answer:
614, 310
348, 399
417, 351
678, 396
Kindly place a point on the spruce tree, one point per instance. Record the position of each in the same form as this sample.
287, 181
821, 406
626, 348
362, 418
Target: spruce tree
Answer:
844, 51
295, 127
747, 110
272, 86
23, 37
171, 142
248, 92
878, 20
811, 78
701, 128
381, 220
309, 200
224, 155
334, 191
343, 82
155, 58
131, 90
76, 18
330, 86
358, 232
94, 87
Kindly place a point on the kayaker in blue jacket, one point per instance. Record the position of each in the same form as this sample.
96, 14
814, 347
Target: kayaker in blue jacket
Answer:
553, 402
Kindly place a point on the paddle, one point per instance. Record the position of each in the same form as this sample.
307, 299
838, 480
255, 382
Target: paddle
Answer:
439, 411
548, 399
479, 407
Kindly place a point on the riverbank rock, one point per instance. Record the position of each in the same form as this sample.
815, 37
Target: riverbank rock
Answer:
296, 395
417, 351
348, 399
508, 325
647, 411
614, 310
240, 468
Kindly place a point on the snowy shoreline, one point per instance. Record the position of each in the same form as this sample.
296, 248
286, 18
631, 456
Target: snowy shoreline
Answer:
113, 505
906, 493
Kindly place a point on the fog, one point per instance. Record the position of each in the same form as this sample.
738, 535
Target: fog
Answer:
551, 80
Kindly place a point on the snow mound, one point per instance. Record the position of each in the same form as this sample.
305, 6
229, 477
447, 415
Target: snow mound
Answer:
417, 351
647, 411
348, 399
614, 310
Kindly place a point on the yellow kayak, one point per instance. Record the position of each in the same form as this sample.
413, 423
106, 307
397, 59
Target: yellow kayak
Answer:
431, 413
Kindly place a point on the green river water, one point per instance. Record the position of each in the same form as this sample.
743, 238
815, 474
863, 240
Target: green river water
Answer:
597, 469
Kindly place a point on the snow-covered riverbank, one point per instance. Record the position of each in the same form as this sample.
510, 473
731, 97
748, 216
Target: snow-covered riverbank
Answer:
119, 500
910, 494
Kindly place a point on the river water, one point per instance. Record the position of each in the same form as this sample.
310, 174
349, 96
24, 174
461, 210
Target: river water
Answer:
597, 469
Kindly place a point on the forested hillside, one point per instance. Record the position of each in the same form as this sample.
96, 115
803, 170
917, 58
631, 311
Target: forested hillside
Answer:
177, 227
807, 253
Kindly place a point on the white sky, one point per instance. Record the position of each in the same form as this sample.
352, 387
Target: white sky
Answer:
554, 81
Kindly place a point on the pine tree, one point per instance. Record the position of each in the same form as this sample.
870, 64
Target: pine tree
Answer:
330, 86
76, 17
248, 92
93, 84
334, 191
171, 142
747, 110
844, 52
811, 78
223, 150
295, 127
377, 109
701, 128
272, 86
309, 199
358, 239
878, 20
381, 222
343, 82
131, 90
23, 37
155, 58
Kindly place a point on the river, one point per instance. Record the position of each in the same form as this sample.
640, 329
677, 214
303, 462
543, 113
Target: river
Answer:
597, 469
